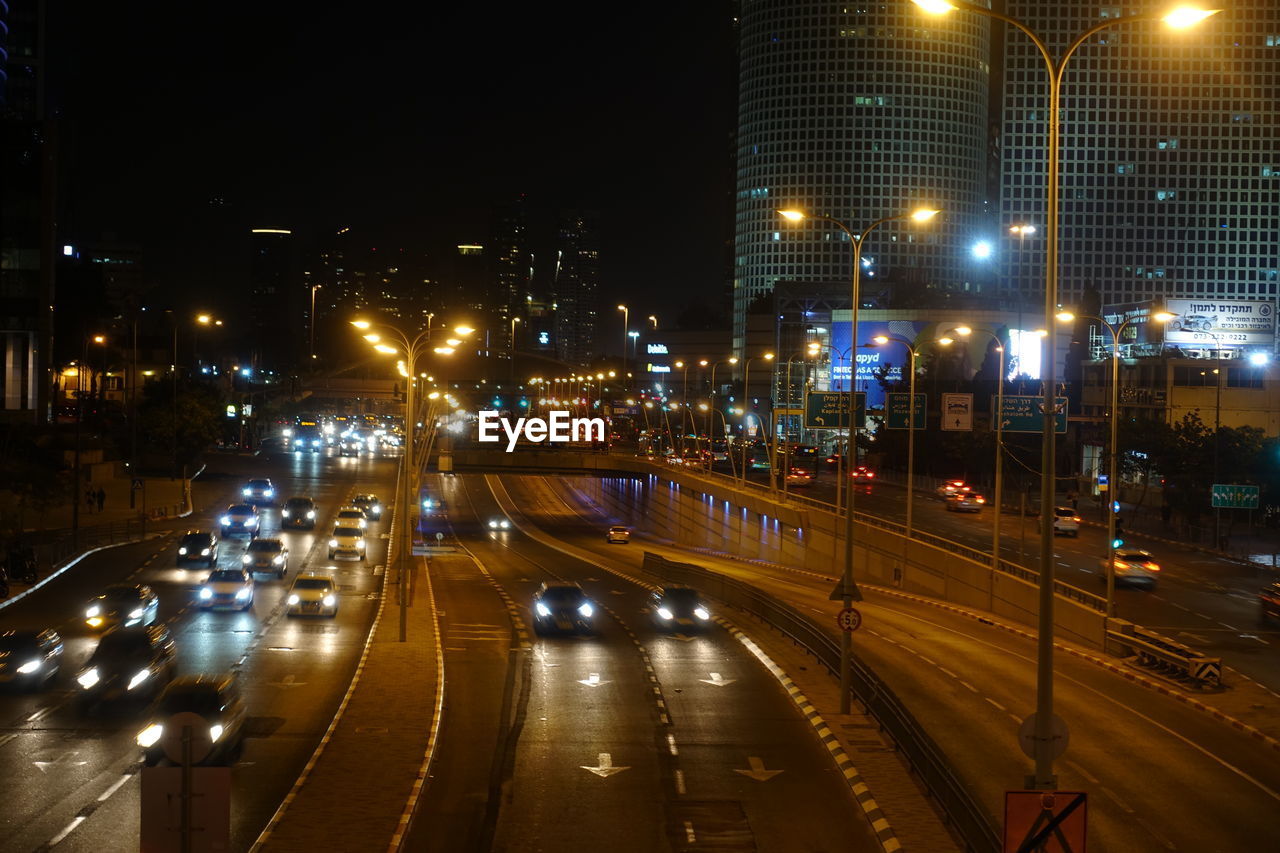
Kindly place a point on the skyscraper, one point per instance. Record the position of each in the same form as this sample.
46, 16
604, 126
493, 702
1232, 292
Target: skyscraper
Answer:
576, 284
509, 247
856, 111
1170, 153
275, 304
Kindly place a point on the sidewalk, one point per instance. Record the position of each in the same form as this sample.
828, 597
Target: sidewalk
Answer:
371, 764
159, 497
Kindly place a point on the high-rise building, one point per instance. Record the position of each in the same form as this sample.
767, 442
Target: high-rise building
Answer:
1170, 179
509, 255
275, 301
27, 237
576, 283
857, 111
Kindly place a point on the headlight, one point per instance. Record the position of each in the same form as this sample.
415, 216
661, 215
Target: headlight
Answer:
542, 609
585, 610
88, 678
504, 524
664, 613
95, 610
150, 736
215, 732
333, 543
246, 492
359, 543
205, 592
493, 525
271, 493
246, 559
225, 520
242, 593
286, 432
139, 677
182, 550
278, 559
293, 598
329, 600
135, 614
284, 513
311, 513
30, 666
204, 552
94, 621
251, 522
701, 613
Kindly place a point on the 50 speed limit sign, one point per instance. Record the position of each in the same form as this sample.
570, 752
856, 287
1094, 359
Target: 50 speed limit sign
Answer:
849, 619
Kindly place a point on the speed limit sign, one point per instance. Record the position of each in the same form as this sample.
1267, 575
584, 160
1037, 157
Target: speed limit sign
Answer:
849, 619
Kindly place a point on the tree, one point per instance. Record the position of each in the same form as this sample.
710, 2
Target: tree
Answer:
31, 466
196, 421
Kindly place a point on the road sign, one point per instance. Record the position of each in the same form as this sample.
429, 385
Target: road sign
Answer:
1207, 669
957, 412
849, 619
1045, 821
896, 408
1025, 414
840, 593
137, 484
171, 740
439, 538
1057, 734
830, 409
1235, 497
209, 828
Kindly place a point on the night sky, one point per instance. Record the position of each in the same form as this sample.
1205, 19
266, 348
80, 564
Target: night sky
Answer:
403, 121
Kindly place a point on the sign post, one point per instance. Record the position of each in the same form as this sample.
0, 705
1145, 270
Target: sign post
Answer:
1227, 496
830, 410
849, 619
896, 411
957, 412
1026, 414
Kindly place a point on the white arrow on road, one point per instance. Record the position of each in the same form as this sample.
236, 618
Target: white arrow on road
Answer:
592, 680
757, 770
606, 768
64, 758
718, 680
287, 681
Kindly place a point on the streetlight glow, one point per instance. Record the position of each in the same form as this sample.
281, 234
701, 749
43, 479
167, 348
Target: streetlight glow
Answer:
443, 350
1258, 359
880, 339
372, 338
463, 330
361, 324
981, 250
1185, 17
1162, 316
1065, 316
792, 215
963, 331
924, 214
1022, 230
935, 7
386, 349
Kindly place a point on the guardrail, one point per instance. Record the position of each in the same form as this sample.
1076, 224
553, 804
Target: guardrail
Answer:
1164, 655
972, 823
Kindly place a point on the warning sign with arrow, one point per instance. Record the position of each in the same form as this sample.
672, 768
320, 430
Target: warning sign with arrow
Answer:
1044, 821
957, 412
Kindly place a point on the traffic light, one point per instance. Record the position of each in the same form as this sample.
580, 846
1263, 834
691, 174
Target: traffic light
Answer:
1116, 543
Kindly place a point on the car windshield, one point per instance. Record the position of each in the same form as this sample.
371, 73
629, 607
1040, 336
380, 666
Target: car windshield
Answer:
350, 513
1063, 512
269, 546
617, 530
121, 594
683, 597
202, 699
563, 595
311, 583
298, 503
196, 539
226, 576
346, 531
241, 509
366, 499
260, 484
1136, 556
123, 644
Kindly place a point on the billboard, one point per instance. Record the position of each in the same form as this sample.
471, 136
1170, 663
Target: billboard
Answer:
1221, 322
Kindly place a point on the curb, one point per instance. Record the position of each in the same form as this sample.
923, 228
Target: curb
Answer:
16, 598
857, 786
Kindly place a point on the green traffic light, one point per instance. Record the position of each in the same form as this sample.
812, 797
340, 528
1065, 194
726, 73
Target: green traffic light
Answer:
1116, 543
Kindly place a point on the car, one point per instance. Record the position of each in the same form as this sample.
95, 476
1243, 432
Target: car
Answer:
351, 516
562, 606
214, 698
1269, 604
266, 555
347, 541
799, 479
227, 588
677, 607
951, 487
1065, 521
862, 472
348, 447
1134, 567
966, 502
499, 524
298, 512
370, 504
30, 658
240, 518
618, 533
128, 664
312, 594
198, 546
126, 604
259, 492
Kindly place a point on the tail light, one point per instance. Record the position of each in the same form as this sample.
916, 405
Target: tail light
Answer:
1076, 519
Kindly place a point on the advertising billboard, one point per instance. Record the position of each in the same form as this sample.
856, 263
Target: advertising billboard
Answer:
1221, 322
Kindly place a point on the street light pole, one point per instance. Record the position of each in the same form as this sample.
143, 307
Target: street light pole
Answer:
1043, 735
626, 327
998, 418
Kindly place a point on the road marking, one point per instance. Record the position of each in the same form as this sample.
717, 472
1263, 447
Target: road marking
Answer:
1116, 799
1169, 845
680, 789
996, 704
757, 770
63, 758
604, 766
1197, 637
67, 830
116, 786
9, 737
968, 685
718, 680
1228, 627
946, 671
592, 680
671, 744
1085, 773
1254, 637
689, 834
287, 681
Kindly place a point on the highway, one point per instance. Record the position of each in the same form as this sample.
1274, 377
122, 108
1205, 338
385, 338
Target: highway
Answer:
1160, 775
70, 780
630, 738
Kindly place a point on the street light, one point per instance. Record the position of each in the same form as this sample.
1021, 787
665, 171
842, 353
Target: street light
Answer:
847, 586
882, 340
654, 320
1181, 18
746, 396
626, 327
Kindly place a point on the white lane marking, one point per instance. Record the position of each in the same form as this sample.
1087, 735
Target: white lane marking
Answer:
593, 680
968, 685
604, 766
671, 744
67, 830
996, 704
1181, 607
1085, 773
1228, 627
689, 834
116, 786
1116, 799
718, 680
680, 789
946, 671
757, 770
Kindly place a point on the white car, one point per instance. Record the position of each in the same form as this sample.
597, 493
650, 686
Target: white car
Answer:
1065, 521
351, 516
619, 534
227, 588
499, 524
312, 594
347, 542
1134, 567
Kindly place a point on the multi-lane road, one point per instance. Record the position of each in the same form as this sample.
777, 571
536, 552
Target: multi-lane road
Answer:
69, 779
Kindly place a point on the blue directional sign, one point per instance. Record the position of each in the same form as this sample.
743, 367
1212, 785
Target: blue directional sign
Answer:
1025, 414
1235, 497
830, 410
897, 411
